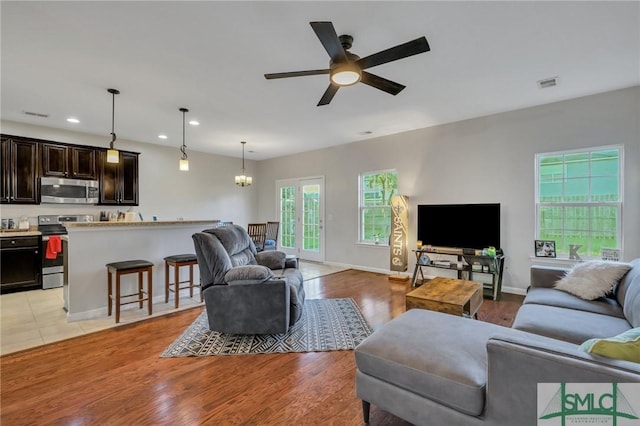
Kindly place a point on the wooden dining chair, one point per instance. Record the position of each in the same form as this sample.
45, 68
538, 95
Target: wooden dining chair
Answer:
257, 233
271, 236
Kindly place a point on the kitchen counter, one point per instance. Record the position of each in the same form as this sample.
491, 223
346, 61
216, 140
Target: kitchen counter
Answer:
159, 223
92, 245
9, 233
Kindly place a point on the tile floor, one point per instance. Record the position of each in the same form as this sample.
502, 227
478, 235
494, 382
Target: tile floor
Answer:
33, 318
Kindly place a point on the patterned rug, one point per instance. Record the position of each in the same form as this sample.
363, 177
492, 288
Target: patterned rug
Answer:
326, 325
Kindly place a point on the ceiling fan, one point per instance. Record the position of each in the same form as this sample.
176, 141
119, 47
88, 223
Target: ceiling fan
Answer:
346, 68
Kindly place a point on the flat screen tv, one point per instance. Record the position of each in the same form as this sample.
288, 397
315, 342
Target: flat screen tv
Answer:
459, 225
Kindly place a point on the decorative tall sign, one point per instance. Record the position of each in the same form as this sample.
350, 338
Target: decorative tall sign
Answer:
399, 228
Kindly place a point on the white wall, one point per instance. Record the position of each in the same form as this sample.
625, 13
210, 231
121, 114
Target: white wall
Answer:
483, 160
207, 191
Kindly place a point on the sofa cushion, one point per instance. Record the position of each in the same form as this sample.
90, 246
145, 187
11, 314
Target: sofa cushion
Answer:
551, 297
213, 260
237, 244
249, 274
420, 351
592, 279
628, 294
624, 346
271, 259
570, 325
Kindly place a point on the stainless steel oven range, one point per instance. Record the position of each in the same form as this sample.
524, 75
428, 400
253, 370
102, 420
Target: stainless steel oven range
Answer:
54, 246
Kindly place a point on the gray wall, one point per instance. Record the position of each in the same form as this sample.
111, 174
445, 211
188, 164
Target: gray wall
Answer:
483, 160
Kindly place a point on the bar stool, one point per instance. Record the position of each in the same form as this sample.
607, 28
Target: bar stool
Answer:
178, 260
124, 268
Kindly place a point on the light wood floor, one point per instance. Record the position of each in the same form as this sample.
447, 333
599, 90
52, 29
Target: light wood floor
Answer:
116, 376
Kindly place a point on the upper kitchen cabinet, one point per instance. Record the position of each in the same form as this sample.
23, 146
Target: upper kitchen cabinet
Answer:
74, 162
19, 160
119, 181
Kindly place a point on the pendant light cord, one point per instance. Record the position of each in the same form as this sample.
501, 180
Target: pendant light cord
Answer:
113, 92
183, 148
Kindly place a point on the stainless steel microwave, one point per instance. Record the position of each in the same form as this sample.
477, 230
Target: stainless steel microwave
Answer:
68, 191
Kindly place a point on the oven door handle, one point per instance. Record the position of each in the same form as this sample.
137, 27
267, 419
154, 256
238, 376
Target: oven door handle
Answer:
62, 237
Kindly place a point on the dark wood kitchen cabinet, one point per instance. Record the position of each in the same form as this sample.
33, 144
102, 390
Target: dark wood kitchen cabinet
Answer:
119, 181
64, 161
20, 171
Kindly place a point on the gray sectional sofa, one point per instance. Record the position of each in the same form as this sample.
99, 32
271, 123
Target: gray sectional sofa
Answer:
560, 315
431, 368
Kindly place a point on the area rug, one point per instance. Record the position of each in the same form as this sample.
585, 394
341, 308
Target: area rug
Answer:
326, 325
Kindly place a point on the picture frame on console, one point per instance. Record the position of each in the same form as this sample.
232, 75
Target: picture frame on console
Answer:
545, 248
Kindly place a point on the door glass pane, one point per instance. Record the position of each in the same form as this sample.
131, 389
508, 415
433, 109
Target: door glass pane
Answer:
311, 217
288, 216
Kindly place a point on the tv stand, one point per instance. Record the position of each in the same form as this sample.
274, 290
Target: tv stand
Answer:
469, 262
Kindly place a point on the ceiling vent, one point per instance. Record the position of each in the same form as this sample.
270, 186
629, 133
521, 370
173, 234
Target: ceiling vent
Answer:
36, 114
548, 82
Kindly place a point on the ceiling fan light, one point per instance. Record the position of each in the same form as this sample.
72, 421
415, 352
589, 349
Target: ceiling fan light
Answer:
345, 75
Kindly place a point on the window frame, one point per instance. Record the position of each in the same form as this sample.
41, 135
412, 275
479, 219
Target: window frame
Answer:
362, 208
619, 204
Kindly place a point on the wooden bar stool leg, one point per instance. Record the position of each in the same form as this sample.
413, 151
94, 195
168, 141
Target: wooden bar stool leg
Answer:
191, 280
117, 299
176, 282
166, 282
150, 290
140, 293
109, 293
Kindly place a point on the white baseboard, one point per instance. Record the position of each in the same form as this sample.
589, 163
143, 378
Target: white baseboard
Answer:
511, 290
85, 315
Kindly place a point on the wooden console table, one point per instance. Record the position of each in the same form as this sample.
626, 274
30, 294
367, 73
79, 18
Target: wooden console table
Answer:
494, 267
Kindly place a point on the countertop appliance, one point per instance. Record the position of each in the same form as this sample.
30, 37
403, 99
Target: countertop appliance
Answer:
53, 266
68, 191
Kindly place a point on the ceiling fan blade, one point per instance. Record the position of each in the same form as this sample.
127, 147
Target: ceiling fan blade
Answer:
328, 94
383, 84
295, 74
410, 48
329, 39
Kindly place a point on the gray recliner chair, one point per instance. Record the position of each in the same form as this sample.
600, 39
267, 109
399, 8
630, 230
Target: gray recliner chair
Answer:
246, 292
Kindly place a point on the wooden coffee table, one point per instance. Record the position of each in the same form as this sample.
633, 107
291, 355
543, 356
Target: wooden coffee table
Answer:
448, 295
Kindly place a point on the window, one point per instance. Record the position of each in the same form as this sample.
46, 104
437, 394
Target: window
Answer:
579, 199
376, 190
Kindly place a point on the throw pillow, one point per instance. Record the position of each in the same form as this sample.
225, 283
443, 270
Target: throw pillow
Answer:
249, 274
625, 346
592, 279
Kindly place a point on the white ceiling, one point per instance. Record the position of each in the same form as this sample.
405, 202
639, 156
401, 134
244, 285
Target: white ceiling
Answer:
58, 58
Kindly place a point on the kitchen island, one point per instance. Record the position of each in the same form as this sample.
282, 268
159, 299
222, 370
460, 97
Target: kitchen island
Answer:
92, 245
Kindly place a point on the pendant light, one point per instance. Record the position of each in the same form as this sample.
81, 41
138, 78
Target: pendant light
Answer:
113, 156
243, 179
184, 162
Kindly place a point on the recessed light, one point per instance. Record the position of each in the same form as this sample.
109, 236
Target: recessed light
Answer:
162, 137
73, 120
194, 123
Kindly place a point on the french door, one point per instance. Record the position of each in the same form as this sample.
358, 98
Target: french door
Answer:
301, 211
